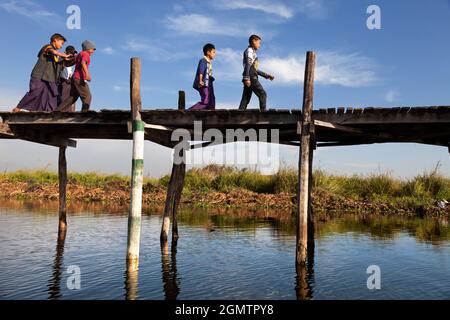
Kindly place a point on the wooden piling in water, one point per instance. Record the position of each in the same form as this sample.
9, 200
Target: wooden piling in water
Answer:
175, 187
305, 128
62, 179
137, 171
311, 243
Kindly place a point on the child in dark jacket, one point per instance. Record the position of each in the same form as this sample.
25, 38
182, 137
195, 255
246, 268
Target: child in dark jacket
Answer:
203, 81
43, 92
251, 73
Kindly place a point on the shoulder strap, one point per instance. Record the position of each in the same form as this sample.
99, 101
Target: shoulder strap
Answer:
43, 49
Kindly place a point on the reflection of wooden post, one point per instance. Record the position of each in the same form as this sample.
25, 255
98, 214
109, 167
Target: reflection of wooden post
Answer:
303, 288
137, 171
131, 284
175, 187
169, 271
54, 286
62, 177
303, 195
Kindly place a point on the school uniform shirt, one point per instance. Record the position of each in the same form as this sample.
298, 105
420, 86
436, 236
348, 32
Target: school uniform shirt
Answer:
67, 72
205, 68
82, 56
251, 64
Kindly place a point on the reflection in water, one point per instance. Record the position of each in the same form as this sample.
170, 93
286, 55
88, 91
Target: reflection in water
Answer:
131, 283
305, 276
248, 256
54, 286
169, 270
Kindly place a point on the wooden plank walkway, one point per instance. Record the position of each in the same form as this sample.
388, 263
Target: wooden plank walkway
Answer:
333, 126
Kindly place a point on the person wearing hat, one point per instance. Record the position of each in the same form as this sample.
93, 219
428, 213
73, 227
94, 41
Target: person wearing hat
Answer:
81, 75
65, 77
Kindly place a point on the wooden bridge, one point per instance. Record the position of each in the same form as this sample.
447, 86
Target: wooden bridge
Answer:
306, 129
333, 126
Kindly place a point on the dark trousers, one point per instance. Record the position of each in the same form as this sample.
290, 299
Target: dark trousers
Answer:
80, 89
258, 89
64, 90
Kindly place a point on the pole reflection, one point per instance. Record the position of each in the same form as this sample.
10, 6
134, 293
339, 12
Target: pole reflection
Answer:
131, 282
169, 270
54, 286
305, 277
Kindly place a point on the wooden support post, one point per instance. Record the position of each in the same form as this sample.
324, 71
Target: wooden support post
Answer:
137, 171
181, 100
303, 196
62, 177
175, 188
311, 243
180, 174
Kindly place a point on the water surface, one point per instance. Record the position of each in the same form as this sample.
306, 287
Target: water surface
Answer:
218, 257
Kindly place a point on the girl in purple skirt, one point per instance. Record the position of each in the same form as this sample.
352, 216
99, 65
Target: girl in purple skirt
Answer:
43, 92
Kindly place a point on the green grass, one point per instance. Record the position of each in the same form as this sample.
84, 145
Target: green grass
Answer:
423, 188
88, 179
32, 177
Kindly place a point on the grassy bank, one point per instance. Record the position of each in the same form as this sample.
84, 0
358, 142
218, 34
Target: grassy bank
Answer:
225, 186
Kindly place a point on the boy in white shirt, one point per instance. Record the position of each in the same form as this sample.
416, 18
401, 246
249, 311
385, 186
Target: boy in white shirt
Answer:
251, 73
65, 78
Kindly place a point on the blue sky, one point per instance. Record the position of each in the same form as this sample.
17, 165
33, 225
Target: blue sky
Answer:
406, 63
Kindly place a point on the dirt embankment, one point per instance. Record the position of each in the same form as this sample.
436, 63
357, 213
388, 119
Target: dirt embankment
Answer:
324, 202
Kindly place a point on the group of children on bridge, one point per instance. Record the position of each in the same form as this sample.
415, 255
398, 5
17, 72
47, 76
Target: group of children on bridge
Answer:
59, 79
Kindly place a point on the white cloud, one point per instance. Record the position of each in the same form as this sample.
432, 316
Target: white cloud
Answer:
154, 50
27, 9
391, 96
278, 9
144, 88
235, 104
109, 51
197, 23
314, 9
200, 24
120, 88
228, 64
332, 68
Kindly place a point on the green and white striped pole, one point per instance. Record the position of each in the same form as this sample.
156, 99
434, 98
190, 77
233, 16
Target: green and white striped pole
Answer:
137, 171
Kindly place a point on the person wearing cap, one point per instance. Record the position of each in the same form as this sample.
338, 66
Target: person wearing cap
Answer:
81, 75
65, 77
43, 88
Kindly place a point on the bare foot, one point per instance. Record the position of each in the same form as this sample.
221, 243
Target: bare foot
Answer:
16, 109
